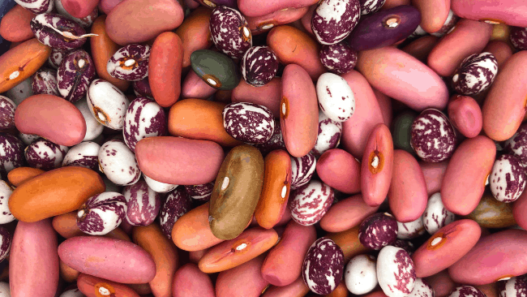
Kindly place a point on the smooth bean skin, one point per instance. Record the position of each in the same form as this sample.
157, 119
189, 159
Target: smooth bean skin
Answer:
495, 256
129, 22
268, 95
51, 117
195, 87
385, 104
510, 12
293, 46
179, 161
465, 177
501, 51
297, 289
189, 281
67, 273
194, 33
264, 23
346, 214
199, 119
79, 8
441, 283
421, 47
491, 213
108, 258
340, 291
393, 3
349, 242
367, 115
433, 13
446, 247
519, 209
242, 281
164, 68
255, 8
102, 49
192, 232
15, 27
275, 190
407, 195
164, 254
377, 166
20, 175
88, 284
339, 170
107, 5
53, 193
433, 173
34, 264
298, 111
468, 37
504, 107
21, 62
465, 114
229, 254
403, 77
66, 226
283, 263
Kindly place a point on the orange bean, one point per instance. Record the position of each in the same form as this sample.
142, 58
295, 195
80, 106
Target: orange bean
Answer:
229, 254
192, 232
349, 242
21, 62
67, 273
54, 193
15, 24
164, 253
199, 119
20, 175
103, 48
164, 68
276, 188
194, 33
92, 286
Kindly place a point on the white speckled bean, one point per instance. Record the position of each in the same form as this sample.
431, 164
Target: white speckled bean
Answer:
27, 139
422, 289
329, 133
410, 230
143, 204
102, 213
44, 154
84, 154
323, 266
436, 216
144, 118
311, 202
118, 163
157, 186
93, 127
361, 274
335, 97
395, 272
7, 113
107, 104
5, 213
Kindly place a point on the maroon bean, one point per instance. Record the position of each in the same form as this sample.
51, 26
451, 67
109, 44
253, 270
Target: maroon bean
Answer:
45, 155
230, 31
75, 75
378, 230
58, 31
130, 62
177, 204
45, 82
333, 20
259, 65
323, 266
433, 137
143, 204
102, 213
248, 122
338, 58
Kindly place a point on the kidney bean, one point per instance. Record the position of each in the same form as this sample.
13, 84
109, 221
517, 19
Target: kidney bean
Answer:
297, 288
323, 266
433, 173
311, 202
88, 284
346, 214
192, 232
45, 154
108, 5
501, 51
34, 269
66, 226
305, 21
5, 243
517, 38
410, 230
395, 271
339, 170
143, 118
56, 57
200, 192
361, 274
20, 175
248, 122
465, 115
5, 193
433, 137
467, 173
503, 11
259, 65
22, 62
329, 133
403, 77
189, 281
38, 6
102, 213
475, 74
85, 154
436, 216
15, 27
333, 20
158, 187
243, 280
130, 62
434, 14
74, 75
384, 28
85, 22
11, 153
335, 97
107, 104
79, 9
143, 204
268, 95
338, 58
407, 199
302, 169
118, 163
441, 283
93, 128
491, 213
378, 230
293, 46
45, 82
194, 33
370, 6
515, 144
215, 69
276, 143
232, 253
507, 179
176, 205
194, 257
511, 287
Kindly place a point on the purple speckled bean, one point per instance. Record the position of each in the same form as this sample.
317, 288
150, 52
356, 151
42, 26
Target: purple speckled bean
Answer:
5, 243
422, 289
45, 155
11, 153
408, 246
361, 276
130, 62
107, 104
329, 133
449, 24
54, 29
333, 20
144, 118
369, 6
517, 145
476, 73
7, 113
410, 230
118, 163
378, 230
143, 204
395, 271
84, 154
157, 186
45, 82
433, 137
75, 75
259, 65
177, 204
338, 58
514, 287
200, 192
102, 213
302, 170
215, 3
466, 291
323, 266
5, 193
248, 122
27, 139
507, 179
230, 31
310, 202
275, 143
57, 56
142, 88
335, 97
37, 6
518, 38
436, 216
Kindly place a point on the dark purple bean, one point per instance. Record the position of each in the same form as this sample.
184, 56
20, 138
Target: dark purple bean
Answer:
5, 193
378, 230
37, 6
338, 58
517, 145
384, 28
57, 56
11, 153
102, 213
177, 204
130, 62
518, 38
5, 243
143, 204
7, 113
507, 179
45, 155
230, 31
248, 122
45, 82
475, 74
334, 20
323, 266
55, 30
433, 137
84, 154
276, 142
302, 170
259, 65
142, 88
370, 6
75, 75
144, 118
200, 192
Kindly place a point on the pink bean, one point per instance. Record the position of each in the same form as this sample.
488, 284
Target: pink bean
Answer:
407, 195
441, 283
510, 12
107, 5
306, 19
242, 281
346, 214
194, 87
268, 95
339, 170
433, 173
385, 103
254, 8
189, 281
297, 289
501, 51
264, 23
465, 114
